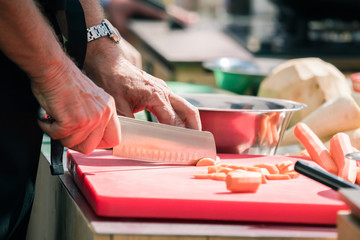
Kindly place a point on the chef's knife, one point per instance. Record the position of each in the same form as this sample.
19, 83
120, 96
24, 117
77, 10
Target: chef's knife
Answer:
156, 142
322, 176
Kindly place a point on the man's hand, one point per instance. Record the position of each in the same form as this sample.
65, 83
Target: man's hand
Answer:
85, 115
135, 90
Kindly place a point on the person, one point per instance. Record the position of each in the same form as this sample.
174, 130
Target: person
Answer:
119, 12
47, 61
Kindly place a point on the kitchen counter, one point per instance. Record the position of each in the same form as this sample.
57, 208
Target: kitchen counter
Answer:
61, 212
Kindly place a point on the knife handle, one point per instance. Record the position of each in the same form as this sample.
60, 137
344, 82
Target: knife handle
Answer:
56, 148
331, 180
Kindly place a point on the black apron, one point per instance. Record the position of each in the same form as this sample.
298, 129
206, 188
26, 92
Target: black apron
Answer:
20, 135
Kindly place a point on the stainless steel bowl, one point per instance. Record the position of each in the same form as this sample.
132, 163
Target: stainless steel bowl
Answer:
244, 124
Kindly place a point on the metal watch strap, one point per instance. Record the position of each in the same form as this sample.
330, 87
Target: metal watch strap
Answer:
96, 32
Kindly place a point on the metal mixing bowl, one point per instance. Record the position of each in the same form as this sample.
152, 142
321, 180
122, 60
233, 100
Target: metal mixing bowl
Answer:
244, 124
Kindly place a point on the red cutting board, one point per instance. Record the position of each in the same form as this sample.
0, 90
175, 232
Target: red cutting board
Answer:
117, 187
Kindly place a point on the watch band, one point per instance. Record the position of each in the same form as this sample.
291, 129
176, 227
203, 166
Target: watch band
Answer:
97, 31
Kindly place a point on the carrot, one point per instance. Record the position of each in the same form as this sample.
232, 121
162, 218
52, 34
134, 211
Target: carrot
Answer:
277, 177
203, 176
263, 128
224, 170
243, 181
305, 154
264, 171
293, 174
270, 167
212, 169
219, 176
316, 149
234, 166
285, 166
202, 162
339, 146
253, 169
263, 179
274, 122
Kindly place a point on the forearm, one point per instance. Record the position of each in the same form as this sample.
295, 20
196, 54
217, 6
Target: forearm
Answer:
28, 40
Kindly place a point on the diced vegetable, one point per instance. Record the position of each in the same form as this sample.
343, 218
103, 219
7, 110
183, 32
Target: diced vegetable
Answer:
277, 177
316, 149
243, 181
339, 146
270, 167
203, 162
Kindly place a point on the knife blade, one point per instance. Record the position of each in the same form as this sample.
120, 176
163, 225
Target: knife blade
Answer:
157, 142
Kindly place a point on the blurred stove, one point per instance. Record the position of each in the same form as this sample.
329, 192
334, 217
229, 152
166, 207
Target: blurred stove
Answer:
328, 29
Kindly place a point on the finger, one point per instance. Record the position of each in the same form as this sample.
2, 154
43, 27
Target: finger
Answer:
112, 134
91, 142
166, 114
188, 113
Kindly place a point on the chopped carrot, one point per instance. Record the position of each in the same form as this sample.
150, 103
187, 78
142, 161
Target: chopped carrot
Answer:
274, 123
316, 149
203, 162
288, 168
253, 169
283, 164
264, 171
270, 167
224, 170
212, 169
263, 179
293, 174
277, 177
203, 176
243, 181
263, 128
237, 167
305, 154
219, 176
340, 145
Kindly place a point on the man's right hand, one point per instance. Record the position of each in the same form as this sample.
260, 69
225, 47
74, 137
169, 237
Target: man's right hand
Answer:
85, 115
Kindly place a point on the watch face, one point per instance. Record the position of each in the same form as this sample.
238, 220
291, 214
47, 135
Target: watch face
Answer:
114, 34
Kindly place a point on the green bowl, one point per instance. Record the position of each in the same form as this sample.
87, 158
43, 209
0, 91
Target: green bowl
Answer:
236, 75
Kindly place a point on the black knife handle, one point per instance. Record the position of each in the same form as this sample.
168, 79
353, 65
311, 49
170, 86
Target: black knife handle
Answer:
331, 180
56, 148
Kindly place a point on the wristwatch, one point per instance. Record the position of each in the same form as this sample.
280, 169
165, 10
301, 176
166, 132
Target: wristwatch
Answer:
105, 28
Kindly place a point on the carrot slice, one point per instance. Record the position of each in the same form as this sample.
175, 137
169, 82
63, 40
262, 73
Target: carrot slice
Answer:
340, 145
212, 169
243, 181
316, 149
219, 176
305, 154
283, 164
224, 170
203, 176
264, 171
293, 174
253, 169
263, 179
263, 128
205, 162
270, 167
277, 177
